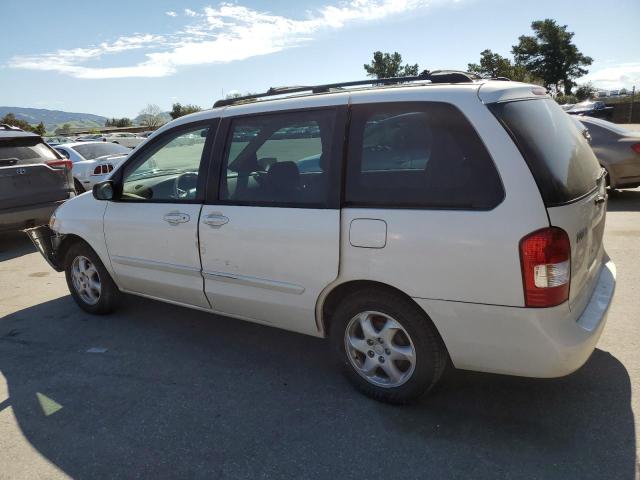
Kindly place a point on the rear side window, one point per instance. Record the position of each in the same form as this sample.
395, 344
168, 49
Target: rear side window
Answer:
280, 159
558, 155
25, 150
418, 155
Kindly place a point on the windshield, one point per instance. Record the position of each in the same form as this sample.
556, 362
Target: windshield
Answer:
94, 150
558, 155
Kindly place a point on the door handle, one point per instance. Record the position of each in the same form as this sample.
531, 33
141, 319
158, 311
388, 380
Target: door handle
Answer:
176, 218
216, 220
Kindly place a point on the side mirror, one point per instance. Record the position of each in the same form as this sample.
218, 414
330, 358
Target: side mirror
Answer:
104, 190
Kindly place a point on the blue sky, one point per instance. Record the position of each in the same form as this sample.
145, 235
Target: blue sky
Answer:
112, 58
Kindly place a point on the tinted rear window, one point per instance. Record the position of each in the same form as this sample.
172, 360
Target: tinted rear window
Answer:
418, 155
95, 150
558, 155
24, 150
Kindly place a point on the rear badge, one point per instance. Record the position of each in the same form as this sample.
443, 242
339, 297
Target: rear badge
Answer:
21, 171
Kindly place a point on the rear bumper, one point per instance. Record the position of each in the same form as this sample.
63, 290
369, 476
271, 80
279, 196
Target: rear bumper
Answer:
29, 216
530, 342
46, 241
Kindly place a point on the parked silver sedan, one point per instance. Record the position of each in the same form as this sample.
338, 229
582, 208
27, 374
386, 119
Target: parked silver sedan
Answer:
617, 150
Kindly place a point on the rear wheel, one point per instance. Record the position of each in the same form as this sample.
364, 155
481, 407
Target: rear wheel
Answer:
90, 284
387, 346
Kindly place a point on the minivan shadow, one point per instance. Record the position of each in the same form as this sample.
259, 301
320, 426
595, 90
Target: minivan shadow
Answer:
624, 201
14, 244
170, 392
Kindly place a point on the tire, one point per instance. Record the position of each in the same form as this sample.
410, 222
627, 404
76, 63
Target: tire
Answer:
417, 338
99, 301
78, 186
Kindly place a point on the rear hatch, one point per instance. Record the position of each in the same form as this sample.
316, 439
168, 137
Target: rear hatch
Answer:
570, 179
31, 173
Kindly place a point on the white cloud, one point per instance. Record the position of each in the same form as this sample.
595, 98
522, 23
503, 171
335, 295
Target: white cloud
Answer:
171, 13
615, 77
226, 33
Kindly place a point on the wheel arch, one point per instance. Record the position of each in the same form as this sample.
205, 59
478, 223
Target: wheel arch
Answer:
65, 244
331, 297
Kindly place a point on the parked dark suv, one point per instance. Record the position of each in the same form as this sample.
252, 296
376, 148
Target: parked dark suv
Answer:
34, 179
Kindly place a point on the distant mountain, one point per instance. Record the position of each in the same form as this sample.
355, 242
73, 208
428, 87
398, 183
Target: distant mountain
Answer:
54, 118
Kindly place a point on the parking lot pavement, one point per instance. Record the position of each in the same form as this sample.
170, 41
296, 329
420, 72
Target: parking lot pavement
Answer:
157, 391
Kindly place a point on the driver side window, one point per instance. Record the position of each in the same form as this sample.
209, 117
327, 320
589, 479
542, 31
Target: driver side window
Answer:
168, 172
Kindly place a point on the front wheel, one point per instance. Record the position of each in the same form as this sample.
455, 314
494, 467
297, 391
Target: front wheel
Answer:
388, 348
90, 284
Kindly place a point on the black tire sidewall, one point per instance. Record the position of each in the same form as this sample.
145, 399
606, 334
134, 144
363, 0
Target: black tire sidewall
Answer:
430, 352
109, 291
78, 186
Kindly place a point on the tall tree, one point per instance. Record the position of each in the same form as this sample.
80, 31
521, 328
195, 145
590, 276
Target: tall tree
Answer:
40, 129
151, 116
178, 110
385, 65
551, 55
494, 65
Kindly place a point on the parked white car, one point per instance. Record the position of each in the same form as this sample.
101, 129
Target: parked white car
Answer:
449, 220
92, 161
130, 140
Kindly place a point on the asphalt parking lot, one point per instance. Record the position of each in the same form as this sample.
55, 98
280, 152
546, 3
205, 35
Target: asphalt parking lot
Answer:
157, 391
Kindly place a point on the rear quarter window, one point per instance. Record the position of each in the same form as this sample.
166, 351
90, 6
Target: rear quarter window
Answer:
418, 155
559, 157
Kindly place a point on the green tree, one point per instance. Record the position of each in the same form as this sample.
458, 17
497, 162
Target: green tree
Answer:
563, 99
551, 55
64, 129
585, 91
385, 65
10, 119
178, 110
494, 65
40, 129
119, 122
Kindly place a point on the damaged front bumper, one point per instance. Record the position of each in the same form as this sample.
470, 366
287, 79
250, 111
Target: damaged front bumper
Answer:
47, 242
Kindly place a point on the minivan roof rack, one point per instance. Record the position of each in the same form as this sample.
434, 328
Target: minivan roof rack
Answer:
437, 76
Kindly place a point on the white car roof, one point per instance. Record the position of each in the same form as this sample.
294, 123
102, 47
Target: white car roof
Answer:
488, 91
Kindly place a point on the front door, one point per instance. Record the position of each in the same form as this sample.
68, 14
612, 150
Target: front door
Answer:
270, 238
152, 230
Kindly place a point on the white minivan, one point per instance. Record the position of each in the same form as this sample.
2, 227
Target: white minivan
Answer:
442, 220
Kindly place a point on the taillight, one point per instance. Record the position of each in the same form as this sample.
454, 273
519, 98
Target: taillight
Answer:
636, 147
103, 169
545, 258
68, 164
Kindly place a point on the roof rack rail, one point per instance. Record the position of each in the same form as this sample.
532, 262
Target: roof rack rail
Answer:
437, 76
